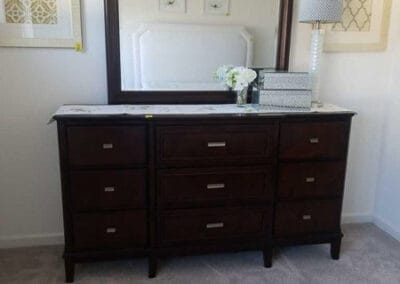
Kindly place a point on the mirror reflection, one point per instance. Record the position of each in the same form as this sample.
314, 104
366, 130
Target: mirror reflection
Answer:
179, 44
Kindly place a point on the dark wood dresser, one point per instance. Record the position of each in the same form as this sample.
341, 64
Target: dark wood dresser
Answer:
161, 185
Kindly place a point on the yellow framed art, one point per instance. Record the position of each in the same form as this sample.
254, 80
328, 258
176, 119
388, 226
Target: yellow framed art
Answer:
40, 23
364, 27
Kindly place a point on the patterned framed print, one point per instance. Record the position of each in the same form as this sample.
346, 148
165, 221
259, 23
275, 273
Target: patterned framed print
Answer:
216, 7
40, 23
364, 27
173, 6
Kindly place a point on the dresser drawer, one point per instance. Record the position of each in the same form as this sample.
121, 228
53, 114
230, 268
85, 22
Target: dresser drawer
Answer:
297, 218
314, 179
106, 145
207, 185
209, 145
206, 224
309, 140
110, 230
97, 190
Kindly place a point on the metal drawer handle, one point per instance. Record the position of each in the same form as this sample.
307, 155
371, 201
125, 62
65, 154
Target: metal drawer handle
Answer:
111, 230
109, 189
215, 225
216, 186
310, 179
307, 217
108, 146
314, 140
216, 144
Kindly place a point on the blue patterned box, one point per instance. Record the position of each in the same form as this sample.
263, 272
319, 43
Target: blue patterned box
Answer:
285, 89
286, 98
284, 80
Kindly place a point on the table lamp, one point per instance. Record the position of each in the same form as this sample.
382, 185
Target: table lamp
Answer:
317, 12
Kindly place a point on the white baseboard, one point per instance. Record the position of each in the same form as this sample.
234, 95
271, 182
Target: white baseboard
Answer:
357, 218
387, 227
31, 240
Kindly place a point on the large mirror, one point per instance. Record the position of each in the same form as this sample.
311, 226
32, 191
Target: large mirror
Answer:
167, 51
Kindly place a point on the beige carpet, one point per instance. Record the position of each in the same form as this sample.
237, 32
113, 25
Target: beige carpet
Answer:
368, 256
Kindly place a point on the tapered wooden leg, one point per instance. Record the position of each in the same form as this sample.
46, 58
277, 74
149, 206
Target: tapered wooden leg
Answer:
69, 270
152, 266
335, 248
267, 253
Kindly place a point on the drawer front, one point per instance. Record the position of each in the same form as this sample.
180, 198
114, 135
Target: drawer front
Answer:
209, 145
297, 218
302, 180
309, 140
97, 190
110, 230
106, 145
208, 224
197, 185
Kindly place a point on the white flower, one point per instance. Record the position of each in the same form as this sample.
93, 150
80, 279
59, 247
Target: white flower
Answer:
246, 75
230, 78
221, 73
240, 85
237, 78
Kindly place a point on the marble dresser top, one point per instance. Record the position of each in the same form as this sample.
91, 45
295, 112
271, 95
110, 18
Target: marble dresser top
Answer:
187, 110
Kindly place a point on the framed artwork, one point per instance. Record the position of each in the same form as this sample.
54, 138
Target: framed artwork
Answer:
364, 27
173, 6
216, 7
40, 23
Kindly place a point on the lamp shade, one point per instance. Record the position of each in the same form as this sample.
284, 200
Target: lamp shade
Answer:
324, 11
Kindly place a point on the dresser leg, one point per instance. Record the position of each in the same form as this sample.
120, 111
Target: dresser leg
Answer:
69, 270
335, 248
152, 266
267, 253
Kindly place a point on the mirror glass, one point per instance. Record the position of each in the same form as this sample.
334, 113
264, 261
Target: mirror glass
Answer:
179, 44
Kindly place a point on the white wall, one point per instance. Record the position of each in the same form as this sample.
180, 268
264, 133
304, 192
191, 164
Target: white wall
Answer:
34, 82
387, 210
358, 81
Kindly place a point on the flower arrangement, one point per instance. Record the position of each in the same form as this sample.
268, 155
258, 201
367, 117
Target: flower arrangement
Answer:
238, 79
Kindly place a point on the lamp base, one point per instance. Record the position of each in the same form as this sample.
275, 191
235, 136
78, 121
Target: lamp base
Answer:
317, 42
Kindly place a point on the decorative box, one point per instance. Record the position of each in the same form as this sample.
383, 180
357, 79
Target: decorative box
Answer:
284, 80
285, 89
286, 98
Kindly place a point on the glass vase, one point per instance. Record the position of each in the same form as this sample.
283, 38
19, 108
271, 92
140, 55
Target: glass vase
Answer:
241, 97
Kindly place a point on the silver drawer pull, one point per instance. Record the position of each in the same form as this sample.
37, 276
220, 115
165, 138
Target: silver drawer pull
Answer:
314, 140
310, 179
307, 217
109, 189
215, 225
111, 230
216, 186
108, 146
216, 144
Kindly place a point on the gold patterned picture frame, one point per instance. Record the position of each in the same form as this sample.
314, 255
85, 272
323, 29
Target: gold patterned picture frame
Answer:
40, 23
364, 27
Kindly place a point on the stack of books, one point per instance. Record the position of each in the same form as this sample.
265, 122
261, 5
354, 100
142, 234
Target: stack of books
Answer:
285, 89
